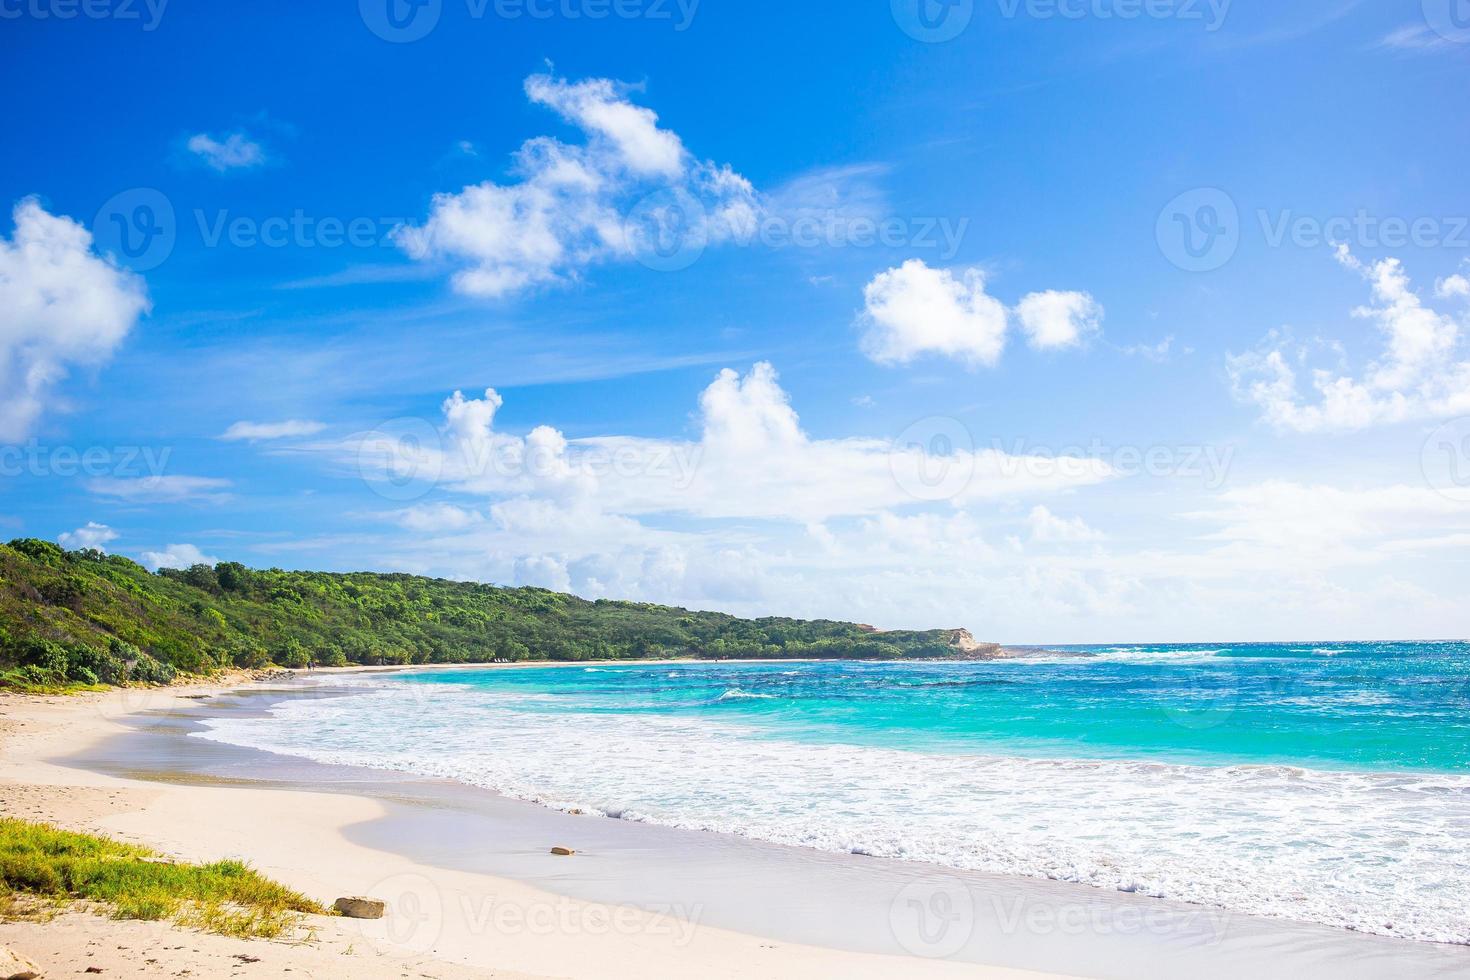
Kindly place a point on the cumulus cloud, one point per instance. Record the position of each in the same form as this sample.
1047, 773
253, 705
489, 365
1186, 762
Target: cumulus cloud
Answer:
61, 305
235, 152
160, 489
1054, 320
175, 556
1454, 286
261, 431
915, 310
630, 190
602, 109
1421, 371
753, 459
92, 535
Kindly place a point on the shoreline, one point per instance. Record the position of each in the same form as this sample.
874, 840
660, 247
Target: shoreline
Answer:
432, 827
479, 924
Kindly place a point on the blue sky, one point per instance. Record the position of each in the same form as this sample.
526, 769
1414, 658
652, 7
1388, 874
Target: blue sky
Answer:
1075, 321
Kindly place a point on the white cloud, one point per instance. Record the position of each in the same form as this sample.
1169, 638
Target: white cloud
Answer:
1054, 320
1048, 528
160, 489
627, 191
1158, 353
1455, 285
601, 108
60, 305
752, 460
1302, 524
258, 431
93, 535
829, 205
1419, 373
914, 310
1414, 37
175, 556
437, 517
236, 152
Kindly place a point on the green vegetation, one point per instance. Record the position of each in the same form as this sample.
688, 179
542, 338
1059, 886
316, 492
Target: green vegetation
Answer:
56, 866
79, 618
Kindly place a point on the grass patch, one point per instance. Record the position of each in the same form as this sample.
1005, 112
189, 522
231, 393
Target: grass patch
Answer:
21, 682
225, 897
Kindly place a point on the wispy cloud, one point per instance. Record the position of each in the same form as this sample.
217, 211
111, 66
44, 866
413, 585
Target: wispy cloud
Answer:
235, 151
161, 489
1415, 37
260, 431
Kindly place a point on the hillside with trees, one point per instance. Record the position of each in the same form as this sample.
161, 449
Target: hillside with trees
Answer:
89, 617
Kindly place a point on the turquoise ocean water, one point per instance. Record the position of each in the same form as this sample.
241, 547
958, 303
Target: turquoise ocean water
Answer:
1328, 782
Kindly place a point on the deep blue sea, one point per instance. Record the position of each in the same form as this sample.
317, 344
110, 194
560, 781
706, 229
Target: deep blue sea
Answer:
1327, 782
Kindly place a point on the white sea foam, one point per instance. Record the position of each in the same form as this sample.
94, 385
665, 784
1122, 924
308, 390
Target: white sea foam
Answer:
1381, 853
1179, 656
735, 694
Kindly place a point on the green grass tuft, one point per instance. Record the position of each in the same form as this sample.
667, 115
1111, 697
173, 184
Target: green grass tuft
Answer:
225, 897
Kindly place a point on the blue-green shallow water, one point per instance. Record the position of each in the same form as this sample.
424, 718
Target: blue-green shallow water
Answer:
1325, 782
1384, 706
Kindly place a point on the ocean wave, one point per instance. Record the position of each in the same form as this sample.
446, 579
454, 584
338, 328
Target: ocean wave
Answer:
735, 694
1274, 840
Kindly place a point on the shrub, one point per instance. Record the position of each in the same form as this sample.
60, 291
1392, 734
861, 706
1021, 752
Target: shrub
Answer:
41, 551
147, 670
249, 658
99, 666
293, 655
49, 656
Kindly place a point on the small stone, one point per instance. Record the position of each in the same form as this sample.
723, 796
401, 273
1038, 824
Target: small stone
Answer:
563, 851
357, 907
